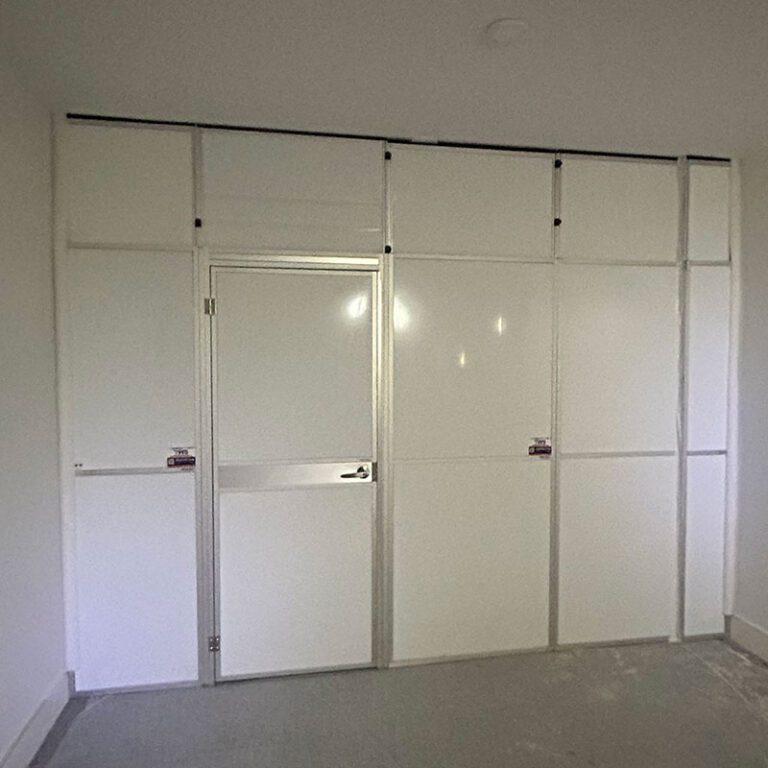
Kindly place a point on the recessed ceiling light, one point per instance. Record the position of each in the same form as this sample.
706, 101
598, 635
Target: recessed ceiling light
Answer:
505, 31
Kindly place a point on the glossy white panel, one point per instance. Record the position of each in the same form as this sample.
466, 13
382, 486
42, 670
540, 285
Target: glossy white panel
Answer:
705, 545
296, 193
471, 557
618, 358
131, 333
614, 210
295, 579
709, 212
709, 309
127, 185
617, 548
294, 365
468, 202
472, 357
135, 573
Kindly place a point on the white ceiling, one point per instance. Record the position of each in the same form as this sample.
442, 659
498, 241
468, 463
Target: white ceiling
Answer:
669, 76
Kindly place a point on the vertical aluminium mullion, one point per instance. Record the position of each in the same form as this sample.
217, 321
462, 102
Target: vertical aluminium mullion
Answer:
682, 406
554, 486
385, 505
205, 561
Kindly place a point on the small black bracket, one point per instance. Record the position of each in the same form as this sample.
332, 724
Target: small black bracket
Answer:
198, 223
387, 155
558, 163
387, 249
558, 222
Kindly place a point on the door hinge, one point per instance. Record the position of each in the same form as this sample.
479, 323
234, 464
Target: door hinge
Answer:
214, 643
558, 222
209, 306
558, 163
198, 223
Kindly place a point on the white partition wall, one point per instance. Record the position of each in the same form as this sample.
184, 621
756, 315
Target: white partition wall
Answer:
136, 580
708, 334
709, 212
618, 358
618, 210
617, 548
519, 361
132, 349
709, 311
472, 203
291, 193
705, 545
472, 389
618, 400
126, 294
127, 186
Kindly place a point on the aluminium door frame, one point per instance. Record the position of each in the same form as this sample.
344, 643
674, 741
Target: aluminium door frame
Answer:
209, 264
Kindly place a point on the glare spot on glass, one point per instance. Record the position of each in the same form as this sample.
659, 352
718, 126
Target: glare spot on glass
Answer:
357, 307
501, 325
462, 359
401, 317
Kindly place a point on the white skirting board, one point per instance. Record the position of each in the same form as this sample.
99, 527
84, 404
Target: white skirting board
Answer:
32, 737
748, 636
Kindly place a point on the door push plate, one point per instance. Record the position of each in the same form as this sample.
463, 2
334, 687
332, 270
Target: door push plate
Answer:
540, 446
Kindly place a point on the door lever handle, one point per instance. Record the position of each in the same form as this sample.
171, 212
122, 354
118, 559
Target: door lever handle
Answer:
361, 474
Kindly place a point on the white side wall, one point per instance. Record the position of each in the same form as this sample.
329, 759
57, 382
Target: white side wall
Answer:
32, 668
750, 622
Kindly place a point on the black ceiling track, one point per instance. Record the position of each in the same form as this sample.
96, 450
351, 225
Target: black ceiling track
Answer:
390, 139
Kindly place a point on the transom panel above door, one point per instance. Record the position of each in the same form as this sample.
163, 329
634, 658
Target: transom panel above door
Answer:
294, 392
277, 192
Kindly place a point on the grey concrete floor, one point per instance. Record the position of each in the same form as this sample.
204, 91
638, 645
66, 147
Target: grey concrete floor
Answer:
698, 704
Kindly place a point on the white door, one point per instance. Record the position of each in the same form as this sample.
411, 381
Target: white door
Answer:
295, 468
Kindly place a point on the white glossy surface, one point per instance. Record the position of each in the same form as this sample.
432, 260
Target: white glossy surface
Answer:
471, 557
617, 548
705, 545
472, 358
135, 561
709, 212
618, 358
131, 333
296, 193
709, 309
127, 185
294, 365
468, 202
615, 210
295, 579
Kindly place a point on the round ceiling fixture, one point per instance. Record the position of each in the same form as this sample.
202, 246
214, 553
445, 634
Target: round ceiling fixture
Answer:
505, 31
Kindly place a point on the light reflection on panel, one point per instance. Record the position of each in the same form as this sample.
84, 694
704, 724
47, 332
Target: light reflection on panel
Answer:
705, 545
617, 548
294, 377
471, 557
472, 358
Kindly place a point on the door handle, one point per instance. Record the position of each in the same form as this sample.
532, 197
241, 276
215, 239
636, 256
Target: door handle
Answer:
361, 474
